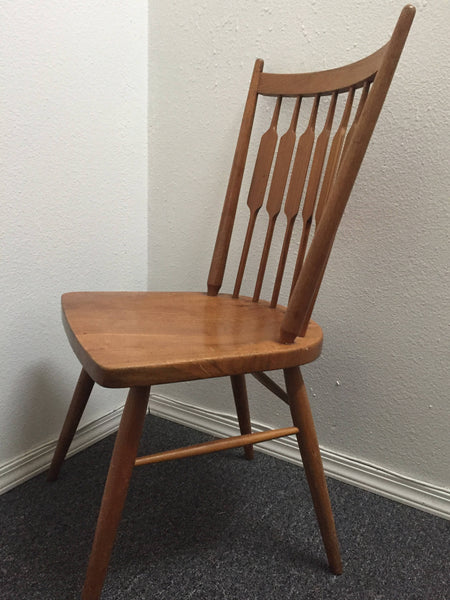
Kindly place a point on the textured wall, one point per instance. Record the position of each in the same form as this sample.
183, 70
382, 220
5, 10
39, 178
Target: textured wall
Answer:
384, 303
73, 206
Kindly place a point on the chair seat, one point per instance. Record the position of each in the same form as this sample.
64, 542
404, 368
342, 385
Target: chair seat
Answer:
126, 339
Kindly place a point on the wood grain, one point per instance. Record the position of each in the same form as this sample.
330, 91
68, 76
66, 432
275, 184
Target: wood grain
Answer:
125, 339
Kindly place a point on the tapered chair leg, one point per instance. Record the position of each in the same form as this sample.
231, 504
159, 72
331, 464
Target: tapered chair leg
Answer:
115, 492
80, 397
312, 462
242, 409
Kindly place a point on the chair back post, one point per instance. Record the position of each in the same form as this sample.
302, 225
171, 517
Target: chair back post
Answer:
306, 288
222, 245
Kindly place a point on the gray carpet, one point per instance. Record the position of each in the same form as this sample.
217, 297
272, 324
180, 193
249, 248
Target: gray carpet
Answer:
214, 528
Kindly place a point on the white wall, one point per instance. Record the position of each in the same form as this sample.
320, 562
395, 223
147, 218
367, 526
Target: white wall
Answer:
384, 303
73, 209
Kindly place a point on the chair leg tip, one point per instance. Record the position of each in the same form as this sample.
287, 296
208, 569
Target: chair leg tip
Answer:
52, 475
337, 569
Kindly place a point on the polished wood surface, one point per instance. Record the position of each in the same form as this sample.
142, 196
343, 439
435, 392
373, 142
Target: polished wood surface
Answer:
236, 441
313, 184
80, 398
322, 82
258, 186
138, 339
124, 339
294, 193
276, 194
334, 158
312, 463
115, 492
306, 287
321, 177
270, 384
222, 245
239, 387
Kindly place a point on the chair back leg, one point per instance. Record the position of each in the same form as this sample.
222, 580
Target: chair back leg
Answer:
243, 412
80, 397
312, 463
116, 487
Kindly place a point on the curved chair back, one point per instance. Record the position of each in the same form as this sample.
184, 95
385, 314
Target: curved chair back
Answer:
312, 171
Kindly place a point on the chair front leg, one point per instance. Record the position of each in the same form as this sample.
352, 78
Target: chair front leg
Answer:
312, 462
80, 397
242, 409
115, 492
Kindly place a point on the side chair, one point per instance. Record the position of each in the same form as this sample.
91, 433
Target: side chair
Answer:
136, 340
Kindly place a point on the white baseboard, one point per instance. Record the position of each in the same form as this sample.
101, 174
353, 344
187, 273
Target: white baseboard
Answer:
370, 477
36, 461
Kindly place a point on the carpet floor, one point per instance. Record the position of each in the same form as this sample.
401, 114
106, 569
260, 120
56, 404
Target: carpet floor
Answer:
213, 528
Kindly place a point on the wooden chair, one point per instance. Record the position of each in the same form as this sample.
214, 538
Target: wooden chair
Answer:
136, 340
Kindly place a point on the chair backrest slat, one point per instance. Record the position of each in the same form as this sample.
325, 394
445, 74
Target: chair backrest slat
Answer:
362, 101
295, 192
306, 289
335, 155
258, 187
326, 171
276, 192
223, 239
313, 185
